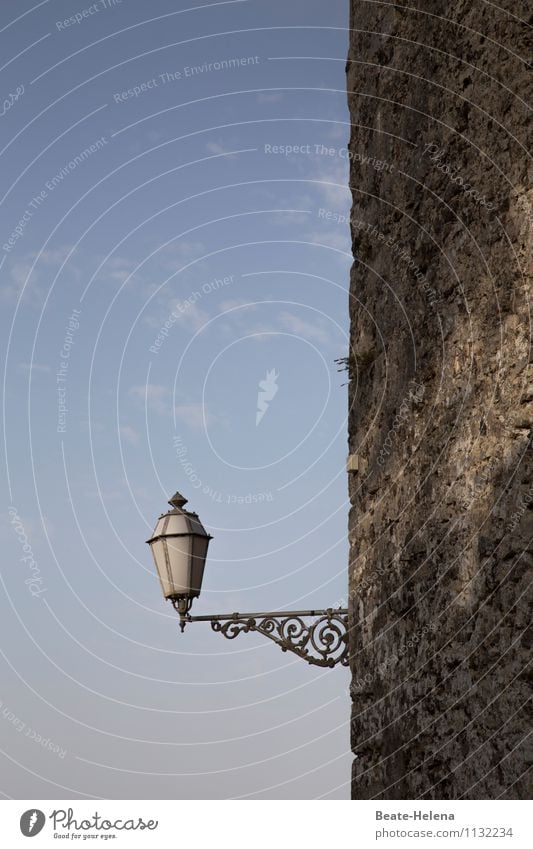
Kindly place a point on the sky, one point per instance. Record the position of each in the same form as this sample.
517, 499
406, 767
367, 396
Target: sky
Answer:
175, 262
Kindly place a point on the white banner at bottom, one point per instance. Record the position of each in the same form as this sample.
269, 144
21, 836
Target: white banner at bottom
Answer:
221, 824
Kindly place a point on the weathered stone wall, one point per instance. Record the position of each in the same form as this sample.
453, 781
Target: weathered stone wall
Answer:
439, 416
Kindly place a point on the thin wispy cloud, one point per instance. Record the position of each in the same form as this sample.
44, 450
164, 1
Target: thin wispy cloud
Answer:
33, 274
194, 415
305, 329
192, 316
239, 305
117, 269
153, 396
38, 367
335, 236
333, 175
185, 248
218, 149
269, 97
214, 147
188, 316
129, 435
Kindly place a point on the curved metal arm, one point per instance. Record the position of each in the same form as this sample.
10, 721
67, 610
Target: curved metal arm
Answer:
323, 642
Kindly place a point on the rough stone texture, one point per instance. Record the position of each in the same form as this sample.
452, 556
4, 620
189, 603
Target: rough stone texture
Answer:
440, 416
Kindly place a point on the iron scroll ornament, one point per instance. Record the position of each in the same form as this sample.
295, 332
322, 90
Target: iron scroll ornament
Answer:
322, 642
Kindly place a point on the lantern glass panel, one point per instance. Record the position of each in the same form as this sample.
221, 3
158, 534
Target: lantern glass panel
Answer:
179, 555
199, 554
179, 548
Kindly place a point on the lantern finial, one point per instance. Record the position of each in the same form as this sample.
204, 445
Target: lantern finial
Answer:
177, 501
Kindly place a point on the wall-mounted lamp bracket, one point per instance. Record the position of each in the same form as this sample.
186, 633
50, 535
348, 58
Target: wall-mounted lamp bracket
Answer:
322, 642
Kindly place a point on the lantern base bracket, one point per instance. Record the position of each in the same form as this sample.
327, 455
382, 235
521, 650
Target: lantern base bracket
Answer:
321, 642
182, 606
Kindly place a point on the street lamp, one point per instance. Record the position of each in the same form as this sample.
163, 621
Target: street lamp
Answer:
179, 546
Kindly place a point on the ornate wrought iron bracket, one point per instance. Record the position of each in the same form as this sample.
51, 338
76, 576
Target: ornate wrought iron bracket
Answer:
322, 642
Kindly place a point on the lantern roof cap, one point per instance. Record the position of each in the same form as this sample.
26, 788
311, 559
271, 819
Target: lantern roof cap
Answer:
177, 501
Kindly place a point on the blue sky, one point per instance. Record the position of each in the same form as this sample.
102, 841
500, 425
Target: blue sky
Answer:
174, 230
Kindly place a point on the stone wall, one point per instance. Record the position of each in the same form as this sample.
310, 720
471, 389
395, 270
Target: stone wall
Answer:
439, 399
